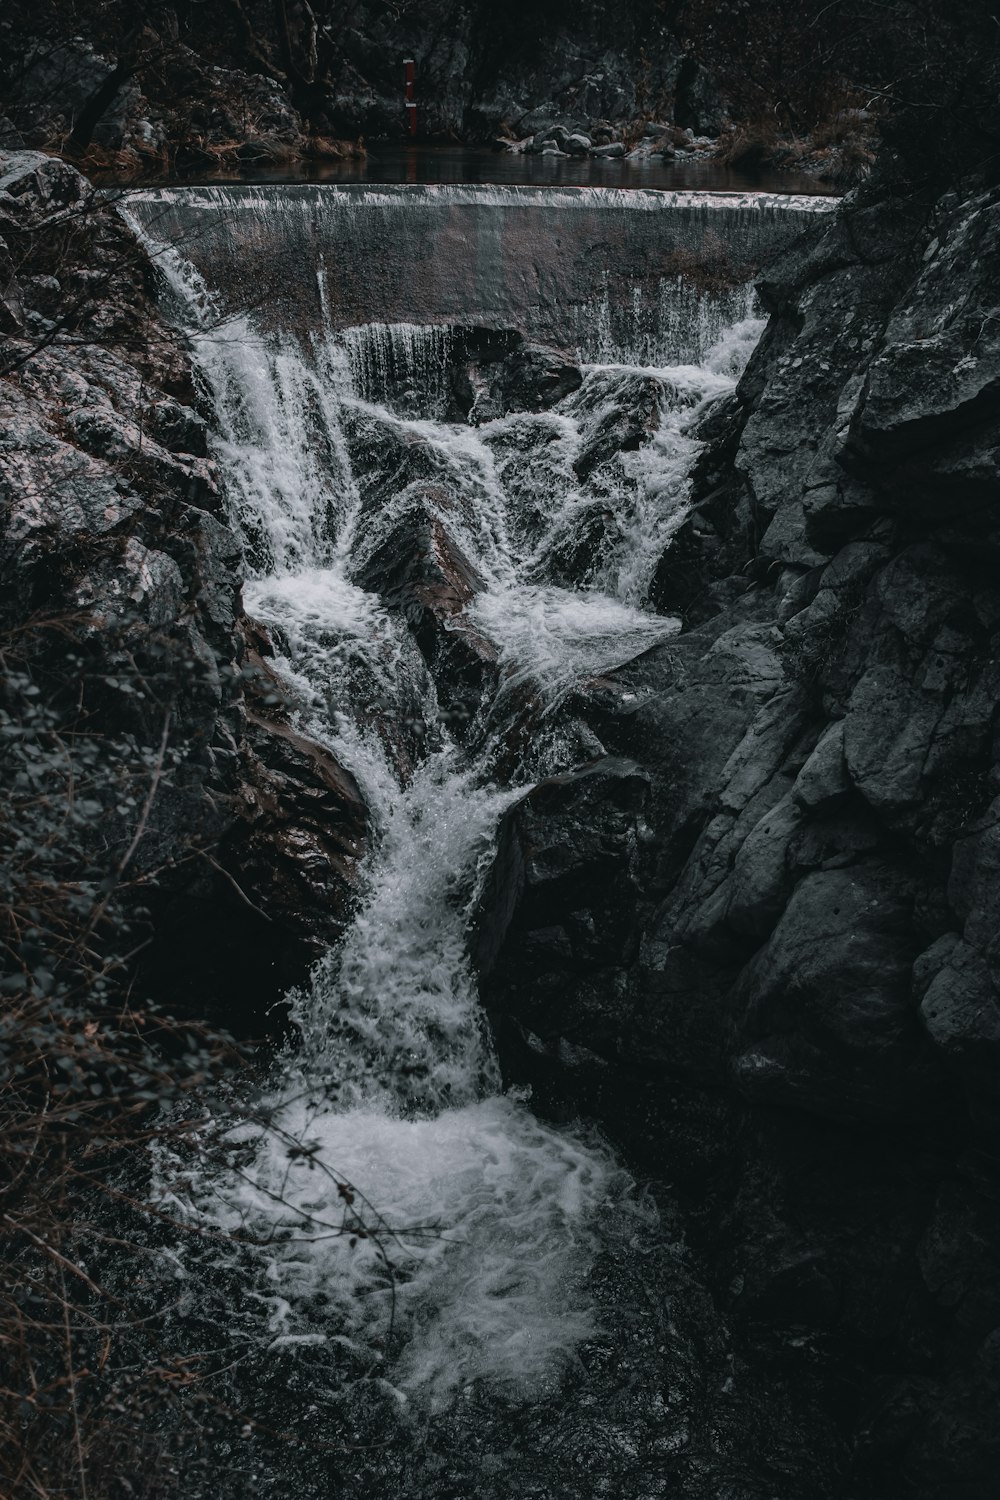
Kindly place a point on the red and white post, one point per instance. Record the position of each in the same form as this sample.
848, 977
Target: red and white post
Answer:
411, 105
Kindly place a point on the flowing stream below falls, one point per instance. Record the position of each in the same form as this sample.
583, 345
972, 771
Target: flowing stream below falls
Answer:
424, 1273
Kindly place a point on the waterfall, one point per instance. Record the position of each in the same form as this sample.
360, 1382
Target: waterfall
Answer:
396, 1186
647, 276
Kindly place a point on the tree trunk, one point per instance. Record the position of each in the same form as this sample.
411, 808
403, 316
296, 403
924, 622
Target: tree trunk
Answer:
96, 107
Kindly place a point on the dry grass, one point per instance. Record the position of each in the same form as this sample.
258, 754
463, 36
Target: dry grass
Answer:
221, 155
845, 126
839, 149
99, 161
748, 145
327, 148
635, 131
849, 165
111, 1388
90, 1078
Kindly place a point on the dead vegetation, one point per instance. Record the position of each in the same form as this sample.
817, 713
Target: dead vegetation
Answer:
112, 1382
200, 152
838, 150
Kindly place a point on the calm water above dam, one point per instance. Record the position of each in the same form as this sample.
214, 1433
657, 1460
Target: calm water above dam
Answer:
392, 161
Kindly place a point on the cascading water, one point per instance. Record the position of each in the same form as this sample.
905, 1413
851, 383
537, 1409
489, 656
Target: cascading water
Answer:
395, 1183
620, 273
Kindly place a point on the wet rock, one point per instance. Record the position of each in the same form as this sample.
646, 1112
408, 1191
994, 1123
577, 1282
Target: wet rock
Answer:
577, 551
610, 152
387, 457
274, 887
417, 564
305, 834
560, 901
621, 415
685, 708
532, 377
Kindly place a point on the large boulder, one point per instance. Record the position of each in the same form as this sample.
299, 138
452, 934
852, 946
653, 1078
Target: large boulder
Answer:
532, 377
560, 903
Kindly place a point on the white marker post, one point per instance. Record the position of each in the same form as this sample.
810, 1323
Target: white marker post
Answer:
411, 106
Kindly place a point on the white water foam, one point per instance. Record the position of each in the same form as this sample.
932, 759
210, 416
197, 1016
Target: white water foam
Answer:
471, 1244
556, 639
405, 356
673, 324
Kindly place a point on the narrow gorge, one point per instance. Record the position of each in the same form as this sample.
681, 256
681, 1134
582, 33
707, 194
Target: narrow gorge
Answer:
584, 776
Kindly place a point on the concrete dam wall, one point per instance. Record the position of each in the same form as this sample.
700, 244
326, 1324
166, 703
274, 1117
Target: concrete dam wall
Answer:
595, 271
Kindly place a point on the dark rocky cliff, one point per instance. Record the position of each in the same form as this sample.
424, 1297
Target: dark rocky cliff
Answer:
112, 545
481, 68
775, 931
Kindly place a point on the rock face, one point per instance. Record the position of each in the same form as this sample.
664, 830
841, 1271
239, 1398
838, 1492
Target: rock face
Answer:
261, 83
484, 69
111, 534
561, 896
805, 923
186, 95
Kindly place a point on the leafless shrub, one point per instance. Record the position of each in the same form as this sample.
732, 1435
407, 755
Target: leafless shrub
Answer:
748, 146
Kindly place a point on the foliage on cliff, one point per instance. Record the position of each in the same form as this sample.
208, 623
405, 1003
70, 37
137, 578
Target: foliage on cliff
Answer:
95, 704
929, 70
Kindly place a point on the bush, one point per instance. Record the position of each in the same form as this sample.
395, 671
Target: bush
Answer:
89, 1076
